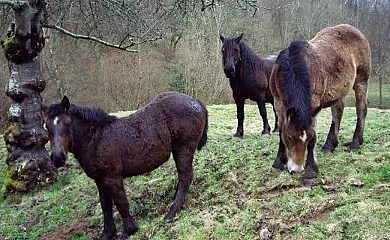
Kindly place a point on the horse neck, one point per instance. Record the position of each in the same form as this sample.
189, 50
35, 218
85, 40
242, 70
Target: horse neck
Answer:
250, 63
82, 136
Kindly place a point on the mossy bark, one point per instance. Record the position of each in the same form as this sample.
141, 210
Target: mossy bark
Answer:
28, 161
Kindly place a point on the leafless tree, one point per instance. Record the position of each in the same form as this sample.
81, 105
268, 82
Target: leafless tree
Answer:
117, 24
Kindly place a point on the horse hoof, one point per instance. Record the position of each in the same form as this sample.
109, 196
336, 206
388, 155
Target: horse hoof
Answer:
353, 146
168, 219
107, 236
265, 132
238, 135
309, 181
124, 236
327, 150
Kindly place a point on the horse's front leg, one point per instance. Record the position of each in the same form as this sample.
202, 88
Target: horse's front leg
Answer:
281, 157
130, 226
109, 230
263, 114
240, 101
311, 167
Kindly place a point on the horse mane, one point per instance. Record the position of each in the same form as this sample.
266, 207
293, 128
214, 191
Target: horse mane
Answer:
250, 61
94, 116
296, 82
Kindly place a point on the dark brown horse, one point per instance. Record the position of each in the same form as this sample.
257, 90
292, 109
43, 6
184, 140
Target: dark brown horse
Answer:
110, 148
248, 76
309, 76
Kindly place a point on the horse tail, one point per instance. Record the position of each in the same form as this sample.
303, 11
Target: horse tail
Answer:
203, 139
296, 81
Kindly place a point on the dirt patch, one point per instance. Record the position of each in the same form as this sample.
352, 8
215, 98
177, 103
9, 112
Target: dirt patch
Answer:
277, 190
76, 227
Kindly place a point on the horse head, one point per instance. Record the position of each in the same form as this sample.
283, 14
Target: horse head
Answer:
58, 123
231, 54
296, 138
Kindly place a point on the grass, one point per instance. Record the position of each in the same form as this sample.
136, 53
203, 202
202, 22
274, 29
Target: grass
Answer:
234, 195
373, 96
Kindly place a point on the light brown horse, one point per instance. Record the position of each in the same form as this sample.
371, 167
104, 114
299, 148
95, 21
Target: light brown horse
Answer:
309, 76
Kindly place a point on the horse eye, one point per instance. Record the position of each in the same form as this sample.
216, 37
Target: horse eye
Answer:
289, 137
237, 49
223, 49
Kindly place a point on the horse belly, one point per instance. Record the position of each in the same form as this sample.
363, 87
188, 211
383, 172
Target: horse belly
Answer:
146, 154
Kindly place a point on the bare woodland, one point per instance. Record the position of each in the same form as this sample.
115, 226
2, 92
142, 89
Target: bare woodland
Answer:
117, 54
179, 46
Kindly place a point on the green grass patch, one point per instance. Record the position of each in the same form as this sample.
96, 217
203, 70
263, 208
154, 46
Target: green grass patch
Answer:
234, 195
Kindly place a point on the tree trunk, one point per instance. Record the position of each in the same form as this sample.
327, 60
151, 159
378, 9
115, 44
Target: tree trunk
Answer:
380, 90
28, 161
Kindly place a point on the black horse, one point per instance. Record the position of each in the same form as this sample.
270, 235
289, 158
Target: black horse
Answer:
248, 75
110, 148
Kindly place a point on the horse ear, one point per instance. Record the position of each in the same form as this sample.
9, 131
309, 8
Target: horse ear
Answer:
221, 37
238, 39
315, 111
44, 108
291, 113
65, 103
292, 38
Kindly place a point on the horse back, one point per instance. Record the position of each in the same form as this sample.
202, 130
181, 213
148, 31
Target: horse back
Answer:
336, 57
253, 80
143, 141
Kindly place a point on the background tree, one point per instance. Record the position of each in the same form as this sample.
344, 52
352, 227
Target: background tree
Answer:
28, 161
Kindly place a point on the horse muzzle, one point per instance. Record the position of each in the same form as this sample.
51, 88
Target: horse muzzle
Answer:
294, 167
58, 159
229, 72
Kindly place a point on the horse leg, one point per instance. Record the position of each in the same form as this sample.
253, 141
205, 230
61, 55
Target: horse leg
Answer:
281, 158
311, 167
183, 157
109, 230
240, 101
122, 204
331, 141
276, 128
263, 114
360, 88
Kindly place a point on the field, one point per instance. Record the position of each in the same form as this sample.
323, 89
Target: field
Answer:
234, 195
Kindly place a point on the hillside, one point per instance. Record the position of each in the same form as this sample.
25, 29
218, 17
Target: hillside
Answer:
234, 195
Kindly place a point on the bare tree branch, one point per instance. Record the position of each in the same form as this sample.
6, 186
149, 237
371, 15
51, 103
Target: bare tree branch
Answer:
206, 4
246, 4
15, 4
100, 41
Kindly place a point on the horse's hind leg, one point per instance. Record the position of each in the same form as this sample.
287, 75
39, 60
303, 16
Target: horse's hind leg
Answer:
116, 187
331, 141
109, 230
360, 87
183, 156
263, 114
276, 128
